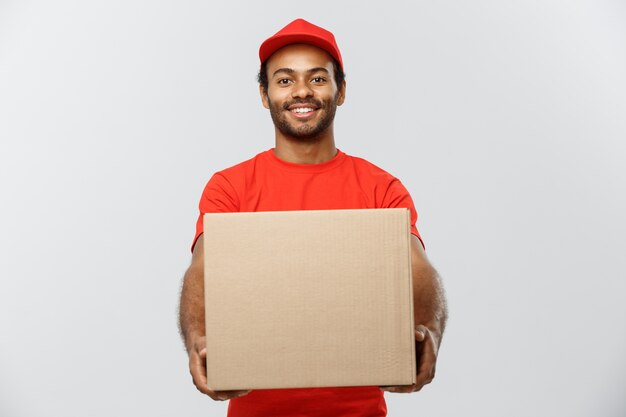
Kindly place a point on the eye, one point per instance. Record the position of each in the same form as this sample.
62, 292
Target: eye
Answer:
283, 81
318, 80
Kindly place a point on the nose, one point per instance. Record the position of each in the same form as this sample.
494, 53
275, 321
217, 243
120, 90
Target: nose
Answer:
301, 89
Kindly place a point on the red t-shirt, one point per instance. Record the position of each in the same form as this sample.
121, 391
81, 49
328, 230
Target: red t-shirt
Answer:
266, 183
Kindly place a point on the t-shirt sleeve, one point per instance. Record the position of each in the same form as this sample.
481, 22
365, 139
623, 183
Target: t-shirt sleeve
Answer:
219, 196
397, 196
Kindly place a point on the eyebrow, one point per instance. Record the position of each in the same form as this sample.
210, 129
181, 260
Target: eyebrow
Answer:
292, 71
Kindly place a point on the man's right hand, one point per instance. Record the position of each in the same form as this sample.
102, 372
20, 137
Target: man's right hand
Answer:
197, 368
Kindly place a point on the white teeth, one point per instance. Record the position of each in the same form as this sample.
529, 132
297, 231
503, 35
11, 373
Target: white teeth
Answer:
302, 110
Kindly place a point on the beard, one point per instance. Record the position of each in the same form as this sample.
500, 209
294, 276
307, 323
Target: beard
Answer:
304, 131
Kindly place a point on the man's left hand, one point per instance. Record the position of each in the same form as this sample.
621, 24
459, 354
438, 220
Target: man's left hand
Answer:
426, 353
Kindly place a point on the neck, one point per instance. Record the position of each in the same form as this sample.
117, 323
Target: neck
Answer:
306, 151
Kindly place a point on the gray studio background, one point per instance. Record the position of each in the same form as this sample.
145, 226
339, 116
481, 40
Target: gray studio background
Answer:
504, 119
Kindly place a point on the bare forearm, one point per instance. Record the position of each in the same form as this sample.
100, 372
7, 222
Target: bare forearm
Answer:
191, 318
192, 325
429, 302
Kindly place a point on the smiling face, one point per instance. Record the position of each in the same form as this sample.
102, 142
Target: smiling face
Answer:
302, 94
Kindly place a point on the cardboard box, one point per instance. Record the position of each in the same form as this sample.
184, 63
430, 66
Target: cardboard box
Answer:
309, 299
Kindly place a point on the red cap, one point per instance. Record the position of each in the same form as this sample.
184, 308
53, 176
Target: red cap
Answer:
301, 31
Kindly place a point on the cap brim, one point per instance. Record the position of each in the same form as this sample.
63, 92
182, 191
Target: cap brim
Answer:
274, 43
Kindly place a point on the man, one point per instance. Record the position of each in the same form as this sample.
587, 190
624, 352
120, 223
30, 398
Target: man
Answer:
302, 83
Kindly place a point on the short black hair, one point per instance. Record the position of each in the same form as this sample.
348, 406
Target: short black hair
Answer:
263, 80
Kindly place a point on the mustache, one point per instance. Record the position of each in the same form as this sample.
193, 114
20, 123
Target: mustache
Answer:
313, 102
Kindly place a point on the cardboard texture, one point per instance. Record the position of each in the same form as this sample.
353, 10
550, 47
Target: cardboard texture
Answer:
308, 299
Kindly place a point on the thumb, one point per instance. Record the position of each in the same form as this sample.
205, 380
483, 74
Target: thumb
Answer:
420, 333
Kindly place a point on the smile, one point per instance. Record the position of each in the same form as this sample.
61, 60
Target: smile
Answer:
302, 110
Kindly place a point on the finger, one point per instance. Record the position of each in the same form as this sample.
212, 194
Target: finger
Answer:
420, 333
198, 372
197, 368
399, 388
427, 362
230, 394
215, 396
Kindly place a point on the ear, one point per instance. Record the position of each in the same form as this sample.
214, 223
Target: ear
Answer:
341, 94
264, 98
